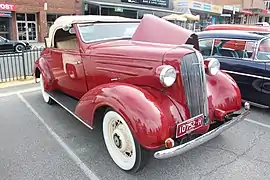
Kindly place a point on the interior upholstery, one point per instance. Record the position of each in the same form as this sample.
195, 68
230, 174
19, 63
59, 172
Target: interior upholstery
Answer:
67, 44
65, 40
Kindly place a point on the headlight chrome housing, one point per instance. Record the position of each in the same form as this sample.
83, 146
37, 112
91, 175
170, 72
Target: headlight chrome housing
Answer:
213, 66
167, 75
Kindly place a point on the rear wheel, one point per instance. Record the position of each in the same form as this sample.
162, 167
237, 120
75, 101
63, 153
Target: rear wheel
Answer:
45, 95
123, 148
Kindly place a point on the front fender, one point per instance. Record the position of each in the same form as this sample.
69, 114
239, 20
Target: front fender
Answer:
150, 116
44, 69
224, 95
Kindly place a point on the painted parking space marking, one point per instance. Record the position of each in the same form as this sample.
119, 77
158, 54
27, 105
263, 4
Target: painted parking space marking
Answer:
73, 156
19, 92
258, 123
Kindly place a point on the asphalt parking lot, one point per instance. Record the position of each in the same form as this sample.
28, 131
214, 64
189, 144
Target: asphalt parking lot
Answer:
38, 141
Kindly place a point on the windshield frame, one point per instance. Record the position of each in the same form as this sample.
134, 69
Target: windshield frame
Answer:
103, 39
257, 50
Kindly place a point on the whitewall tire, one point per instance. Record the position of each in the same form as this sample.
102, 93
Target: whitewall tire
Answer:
45, 95
123, 148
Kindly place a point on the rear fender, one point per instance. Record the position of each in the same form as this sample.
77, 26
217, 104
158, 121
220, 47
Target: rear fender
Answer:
150, 116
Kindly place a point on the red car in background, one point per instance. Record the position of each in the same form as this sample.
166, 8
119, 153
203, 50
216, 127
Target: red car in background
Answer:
145, 80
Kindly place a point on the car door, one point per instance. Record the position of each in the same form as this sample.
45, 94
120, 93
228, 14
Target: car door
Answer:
67, 66
237, 61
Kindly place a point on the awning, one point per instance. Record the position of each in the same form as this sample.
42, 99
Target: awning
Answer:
176, 17
131, 6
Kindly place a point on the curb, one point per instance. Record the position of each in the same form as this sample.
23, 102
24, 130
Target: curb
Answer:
16, 83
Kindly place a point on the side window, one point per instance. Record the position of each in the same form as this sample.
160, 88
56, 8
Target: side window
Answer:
206, 46
264, 50
250, 47
66, 40
231, 48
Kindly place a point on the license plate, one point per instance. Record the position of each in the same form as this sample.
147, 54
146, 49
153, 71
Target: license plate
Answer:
189, 125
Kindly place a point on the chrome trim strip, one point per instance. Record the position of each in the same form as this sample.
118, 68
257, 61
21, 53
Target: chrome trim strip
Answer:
70, 112
167, 153
206, 109
249, 75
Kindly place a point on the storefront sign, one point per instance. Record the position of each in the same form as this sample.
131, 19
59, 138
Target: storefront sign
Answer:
196, 5
217, 9
226, 7
118, 9
207, 7
7, 7
5, 14
161, 3
236, 9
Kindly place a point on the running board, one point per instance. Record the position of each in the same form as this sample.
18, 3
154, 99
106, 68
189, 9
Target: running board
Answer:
67, 102
256, 104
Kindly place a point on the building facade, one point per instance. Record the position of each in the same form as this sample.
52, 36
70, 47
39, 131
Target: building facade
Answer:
251, 11
29, 20
208, 12
129, 8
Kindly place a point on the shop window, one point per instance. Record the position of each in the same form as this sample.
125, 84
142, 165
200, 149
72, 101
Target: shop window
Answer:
31, 17
91, 9
51, 18
20, 17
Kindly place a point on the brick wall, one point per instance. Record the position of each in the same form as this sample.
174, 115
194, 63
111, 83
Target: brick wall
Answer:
37, 6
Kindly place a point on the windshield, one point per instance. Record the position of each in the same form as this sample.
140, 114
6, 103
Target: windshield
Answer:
101, 31
2, 39
264, 50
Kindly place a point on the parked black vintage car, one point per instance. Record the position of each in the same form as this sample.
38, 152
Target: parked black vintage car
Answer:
243, 55
13, 46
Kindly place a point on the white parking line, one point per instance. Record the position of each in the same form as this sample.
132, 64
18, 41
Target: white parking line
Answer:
258, 123
73, 156
19, 92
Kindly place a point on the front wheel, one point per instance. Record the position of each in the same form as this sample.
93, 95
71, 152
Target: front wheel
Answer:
45, 95
123, 148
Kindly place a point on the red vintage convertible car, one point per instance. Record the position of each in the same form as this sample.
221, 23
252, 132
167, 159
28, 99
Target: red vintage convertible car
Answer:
145, 80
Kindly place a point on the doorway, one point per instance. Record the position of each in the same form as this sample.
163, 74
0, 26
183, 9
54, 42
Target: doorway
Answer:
26, 27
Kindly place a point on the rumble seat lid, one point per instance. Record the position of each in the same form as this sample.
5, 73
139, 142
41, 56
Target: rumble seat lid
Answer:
157, 30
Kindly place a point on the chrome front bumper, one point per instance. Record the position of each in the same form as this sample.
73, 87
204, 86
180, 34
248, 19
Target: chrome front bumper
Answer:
167, 153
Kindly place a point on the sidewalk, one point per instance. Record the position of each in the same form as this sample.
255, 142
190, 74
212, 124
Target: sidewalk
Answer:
29, 80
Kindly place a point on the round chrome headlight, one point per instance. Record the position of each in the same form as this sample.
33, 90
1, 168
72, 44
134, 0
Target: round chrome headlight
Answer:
213, 66
167, 75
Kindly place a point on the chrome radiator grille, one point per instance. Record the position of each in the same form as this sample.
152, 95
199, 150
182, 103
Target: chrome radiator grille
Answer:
194, 83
